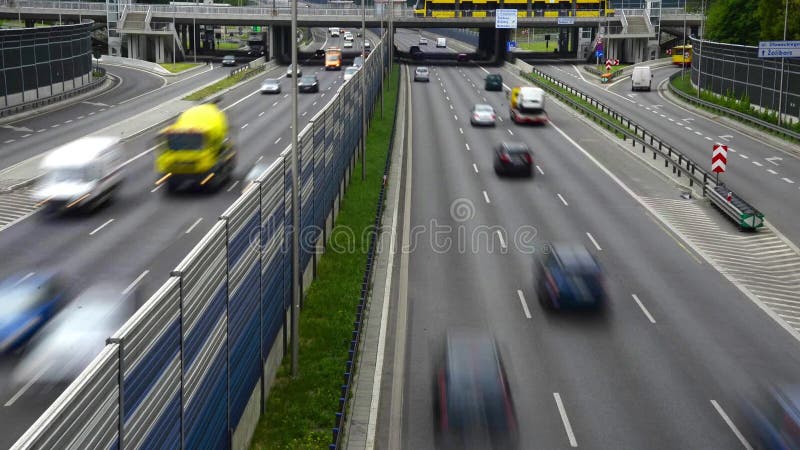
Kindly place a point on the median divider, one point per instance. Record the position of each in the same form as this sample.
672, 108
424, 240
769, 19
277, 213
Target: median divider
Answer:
627, 129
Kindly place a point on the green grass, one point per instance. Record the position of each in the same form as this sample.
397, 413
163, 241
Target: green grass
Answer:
228, 46
300, 411
178, 67
221, 85
538, 46
741, 104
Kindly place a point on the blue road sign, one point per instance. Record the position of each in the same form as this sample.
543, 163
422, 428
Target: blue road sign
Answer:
598, 53
511, 45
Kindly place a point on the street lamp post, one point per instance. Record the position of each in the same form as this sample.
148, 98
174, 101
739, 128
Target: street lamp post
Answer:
363, 92
295, 206
783, 60
194, 32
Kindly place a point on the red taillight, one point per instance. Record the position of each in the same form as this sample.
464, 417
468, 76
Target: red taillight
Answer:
476, 117
505, 158
493, 117
527, 158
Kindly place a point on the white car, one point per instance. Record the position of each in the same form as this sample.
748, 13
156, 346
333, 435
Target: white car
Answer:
271, 86
289, 71
348, 36
348, 44
482, 114
441, 42
367, 44
350, 72
421, 73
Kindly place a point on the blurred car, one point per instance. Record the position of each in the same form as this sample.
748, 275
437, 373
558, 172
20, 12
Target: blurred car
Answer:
367, 44
358, 34
319, 52
348, 44
423, 41
494, 82
358, 61
228, 60
421, 74
462, 57
253, 175
27, 303
350, 72
271, 86
256, 50
308, 83
513, 159
76, 335
472, 400
290, 72
482, 114
568, 276
773, 418
416, 53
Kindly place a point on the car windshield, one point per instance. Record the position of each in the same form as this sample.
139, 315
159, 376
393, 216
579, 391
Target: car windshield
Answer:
228, 57
270, 82
350, 70
484, 108
333, 57
517, 148
308, 80
185, 141
422, 70
70, 174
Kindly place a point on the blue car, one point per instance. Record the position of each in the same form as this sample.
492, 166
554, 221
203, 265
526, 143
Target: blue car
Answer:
569, 277
773, 418
26, 304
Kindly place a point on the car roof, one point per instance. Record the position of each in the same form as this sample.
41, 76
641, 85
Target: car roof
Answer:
515, 146
467, 349
78, 152
422, 68
574, 257
482, 106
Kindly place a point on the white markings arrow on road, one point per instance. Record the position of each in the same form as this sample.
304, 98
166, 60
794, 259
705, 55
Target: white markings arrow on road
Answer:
631, 95
773, 159
95, 103
12, 127
727, 137
687, 120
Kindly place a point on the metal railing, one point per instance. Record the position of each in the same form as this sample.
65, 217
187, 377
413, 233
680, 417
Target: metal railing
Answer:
754, 121
38, 103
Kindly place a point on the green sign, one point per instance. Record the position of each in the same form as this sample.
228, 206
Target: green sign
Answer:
256, 29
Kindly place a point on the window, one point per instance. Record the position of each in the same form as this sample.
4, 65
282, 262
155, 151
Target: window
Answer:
185, 141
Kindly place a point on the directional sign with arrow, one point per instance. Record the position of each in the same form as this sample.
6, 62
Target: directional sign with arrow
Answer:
719, 159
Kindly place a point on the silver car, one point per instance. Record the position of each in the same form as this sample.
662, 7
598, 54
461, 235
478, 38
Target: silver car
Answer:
483, 114
290, 72
421, 74
271, 86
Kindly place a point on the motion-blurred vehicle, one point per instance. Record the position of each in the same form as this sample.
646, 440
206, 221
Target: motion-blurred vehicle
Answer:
271, 86
348, 44
682, 55
367, 44
513, 158
462, 57
421, 74
482, 114
527, 105
334, 31
358, 34
494, 82
76, 335
472, 400
441, 42
358, 61
416, 53
350, 72
319, 52
81, 175
228, 60
333, 59
253, 174
26, 304
569, 277
308, 83
423, 41
196, 150
290, 71
348, 36
773, 419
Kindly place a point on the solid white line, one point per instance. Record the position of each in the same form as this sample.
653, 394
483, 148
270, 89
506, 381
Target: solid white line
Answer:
562, 200
565, 419
591, 238
510, 132
278, 140
467, 145
261, 114
539, 169
196, 222
28, 385
644, 310
156, 188
101, 227
524, 304
475, 166
233, 185
135, 282
245, 126
486, 197
731, 425
502, 241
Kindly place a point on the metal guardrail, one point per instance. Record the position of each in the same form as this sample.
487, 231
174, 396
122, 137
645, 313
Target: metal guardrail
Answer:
733, 113
745, 216
38, 103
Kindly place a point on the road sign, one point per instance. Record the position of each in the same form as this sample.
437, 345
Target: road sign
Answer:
608, 67
511, 45
256, 28
719, 159
779, 49
599, 53
505, 18
566, 21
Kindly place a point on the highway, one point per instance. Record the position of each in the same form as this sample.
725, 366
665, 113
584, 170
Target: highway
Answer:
666, 364
138, 239
764, 172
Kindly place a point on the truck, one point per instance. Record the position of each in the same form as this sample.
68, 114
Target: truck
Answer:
527, 105
334, 31
196, 151
333, 59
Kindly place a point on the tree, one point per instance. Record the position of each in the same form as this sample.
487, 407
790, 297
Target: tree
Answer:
770, 15
733, 21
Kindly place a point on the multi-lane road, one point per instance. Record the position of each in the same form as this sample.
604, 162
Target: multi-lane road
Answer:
679, 345
144, 233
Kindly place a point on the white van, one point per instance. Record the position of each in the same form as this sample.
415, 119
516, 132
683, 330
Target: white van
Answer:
641, 78
334, 31
81, 175
441, 42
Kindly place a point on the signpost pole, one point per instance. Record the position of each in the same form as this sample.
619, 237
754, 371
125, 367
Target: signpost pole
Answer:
296, 286
783, 60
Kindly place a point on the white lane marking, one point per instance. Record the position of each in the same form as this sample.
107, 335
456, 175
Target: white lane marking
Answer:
135, 282
8, 141
565, 420
314, 104
499, 118
502, 241
233, 185
731, 425
727, 137
304, 113
108, 222
157, 187
644, 310
28, 384
670, 119
25, 135
772, 171
196, 222
68, 121
475, 166
245, 126
22, 280
744, 156
41, 131
287, 95
757, 163
451, 107
278, 140
524, 304
467, 145
455, 116
102, 109
486, 197
259, 158
448, 99
91, 113
510, 132
80, 117
698, 133
591, 238
663, 115
275, 104
787, 180
261, 114
539, 169
560, 197
688, 128
769, 160
484, 98
460, 130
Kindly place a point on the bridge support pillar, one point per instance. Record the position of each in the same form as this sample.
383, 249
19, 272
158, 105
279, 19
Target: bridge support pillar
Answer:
280, 43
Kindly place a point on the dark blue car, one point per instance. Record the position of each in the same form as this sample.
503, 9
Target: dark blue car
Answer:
773, 418
570, 277
26, 304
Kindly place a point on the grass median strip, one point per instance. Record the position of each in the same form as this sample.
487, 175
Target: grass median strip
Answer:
222, 84
178, 67
300, 411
